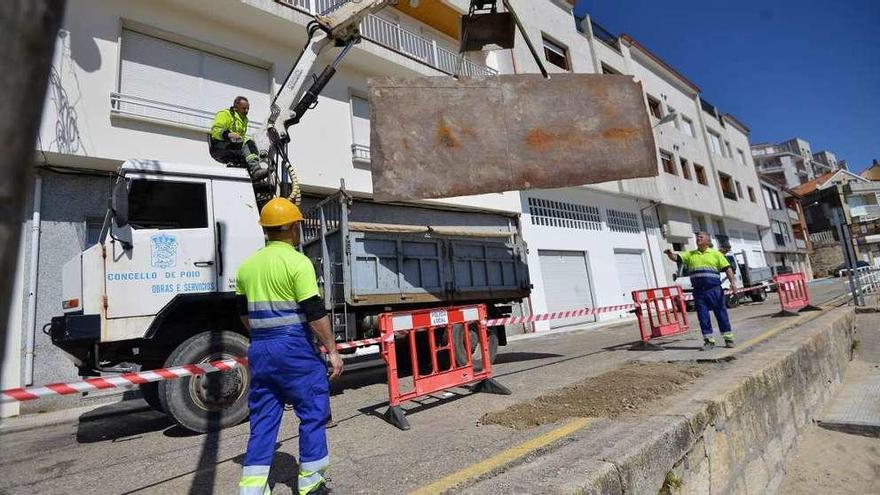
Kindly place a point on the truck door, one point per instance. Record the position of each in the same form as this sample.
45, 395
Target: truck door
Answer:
172, 246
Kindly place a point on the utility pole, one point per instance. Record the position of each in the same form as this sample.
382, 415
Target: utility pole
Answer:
849, 256
27, 40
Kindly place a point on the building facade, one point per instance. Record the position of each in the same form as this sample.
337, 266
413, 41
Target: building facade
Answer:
786, 242
792, 163
142, 80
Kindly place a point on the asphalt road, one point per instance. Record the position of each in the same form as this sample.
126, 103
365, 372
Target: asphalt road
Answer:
128, 448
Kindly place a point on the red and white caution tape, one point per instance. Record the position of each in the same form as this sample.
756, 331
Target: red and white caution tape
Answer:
121, 381
559, 315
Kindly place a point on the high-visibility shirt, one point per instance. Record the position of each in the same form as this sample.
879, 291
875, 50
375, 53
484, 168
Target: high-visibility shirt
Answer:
275, 280
704, 267
228, 120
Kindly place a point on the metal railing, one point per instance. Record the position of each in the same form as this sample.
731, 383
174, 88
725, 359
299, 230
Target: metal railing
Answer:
135, 106
793, 214
605, 36
395, 37
865, 212
824, 236
360, 153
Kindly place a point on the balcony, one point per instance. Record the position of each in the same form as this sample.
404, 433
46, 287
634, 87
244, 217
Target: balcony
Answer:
826, 236
392, 36
605, 36
800, 243
865, 213
793, 215
176, 115
360, 153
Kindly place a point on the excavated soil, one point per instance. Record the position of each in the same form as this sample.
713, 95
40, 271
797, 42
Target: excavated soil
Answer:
628, 390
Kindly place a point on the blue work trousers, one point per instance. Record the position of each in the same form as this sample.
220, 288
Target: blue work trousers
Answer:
288, 370
711, 299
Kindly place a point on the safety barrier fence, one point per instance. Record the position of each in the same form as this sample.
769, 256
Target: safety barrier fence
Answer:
794, 296
127, 380
661, 312
446, 334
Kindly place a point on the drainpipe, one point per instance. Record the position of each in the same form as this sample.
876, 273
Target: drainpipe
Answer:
32, 284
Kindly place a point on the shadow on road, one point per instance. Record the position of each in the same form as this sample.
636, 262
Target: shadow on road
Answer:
121, 421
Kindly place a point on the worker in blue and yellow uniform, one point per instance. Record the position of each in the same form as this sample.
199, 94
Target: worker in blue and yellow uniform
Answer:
704, 266
280, 306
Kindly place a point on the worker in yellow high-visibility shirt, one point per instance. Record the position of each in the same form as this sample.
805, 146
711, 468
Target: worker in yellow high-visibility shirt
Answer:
230, 143
704, 266
281, 307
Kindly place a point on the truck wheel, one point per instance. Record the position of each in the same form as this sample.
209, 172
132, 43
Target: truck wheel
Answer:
212, 401
460, 352
150, 393
759, 295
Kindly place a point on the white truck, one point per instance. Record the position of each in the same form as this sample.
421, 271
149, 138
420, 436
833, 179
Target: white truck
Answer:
158, 290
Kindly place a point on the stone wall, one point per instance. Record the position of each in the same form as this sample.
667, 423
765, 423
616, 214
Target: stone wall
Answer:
825, 258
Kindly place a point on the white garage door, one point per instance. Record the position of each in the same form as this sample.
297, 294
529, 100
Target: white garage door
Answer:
631, 272
566, 284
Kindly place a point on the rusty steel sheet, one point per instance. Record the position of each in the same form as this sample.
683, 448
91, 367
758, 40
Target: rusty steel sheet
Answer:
436, 137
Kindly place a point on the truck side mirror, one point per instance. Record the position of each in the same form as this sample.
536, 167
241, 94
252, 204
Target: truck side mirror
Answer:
119, 203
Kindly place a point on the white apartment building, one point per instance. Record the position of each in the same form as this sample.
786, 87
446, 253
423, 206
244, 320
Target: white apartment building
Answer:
134, 79
792, 162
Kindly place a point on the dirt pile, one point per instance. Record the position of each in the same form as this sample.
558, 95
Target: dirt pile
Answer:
628, 390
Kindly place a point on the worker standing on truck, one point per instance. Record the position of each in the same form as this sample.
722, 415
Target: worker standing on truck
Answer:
278, 295
230, 143
704, 265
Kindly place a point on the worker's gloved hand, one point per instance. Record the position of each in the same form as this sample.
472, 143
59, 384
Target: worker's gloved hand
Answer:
335, 365
234, 137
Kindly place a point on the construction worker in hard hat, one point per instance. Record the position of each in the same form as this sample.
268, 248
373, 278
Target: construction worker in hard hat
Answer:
280, 306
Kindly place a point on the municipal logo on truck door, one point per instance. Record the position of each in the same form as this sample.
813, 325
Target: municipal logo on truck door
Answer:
163, 251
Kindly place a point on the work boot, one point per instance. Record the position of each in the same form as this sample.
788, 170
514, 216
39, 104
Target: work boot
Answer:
256, 172
728, 340
708, 343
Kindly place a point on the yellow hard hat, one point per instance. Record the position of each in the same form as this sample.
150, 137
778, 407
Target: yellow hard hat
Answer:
278, 212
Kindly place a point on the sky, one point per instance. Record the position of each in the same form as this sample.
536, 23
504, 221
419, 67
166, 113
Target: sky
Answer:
786, 68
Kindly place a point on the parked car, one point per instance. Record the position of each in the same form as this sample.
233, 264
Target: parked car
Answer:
841, 270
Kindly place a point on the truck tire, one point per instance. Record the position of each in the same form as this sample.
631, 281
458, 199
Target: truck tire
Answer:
759, 295
150, 393
460, 352
212, 401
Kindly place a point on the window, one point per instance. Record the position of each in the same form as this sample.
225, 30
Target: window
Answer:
776, 227
700, 172
609, 70
666, 160
568, 215
556, 53
623, 221
671, 111
714, 143
739, 190
360, 129
154, 204
752, 197
771, 197
719, 227
727, 188
727, 147
94, 225
654, 107
698, 223
742, 156
685, 169
687, 126
171, 82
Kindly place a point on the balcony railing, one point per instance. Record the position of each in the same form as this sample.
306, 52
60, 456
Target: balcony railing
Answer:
390, 35
822, 237
360, 153
865, 212
605, 36
800, 243
135, 106
793, 214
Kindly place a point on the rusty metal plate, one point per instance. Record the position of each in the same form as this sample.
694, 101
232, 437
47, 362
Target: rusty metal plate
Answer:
435, 137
